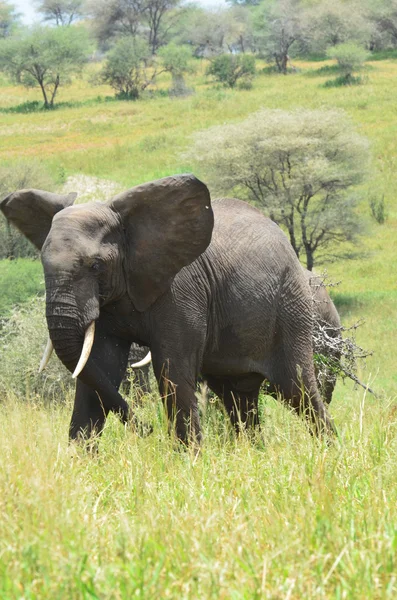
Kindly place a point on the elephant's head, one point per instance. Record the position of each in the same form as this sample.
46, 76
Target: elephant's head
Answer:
96, 253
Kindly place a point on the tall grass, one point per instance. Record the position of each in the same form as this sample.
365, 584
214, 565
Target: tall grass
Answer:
275, 517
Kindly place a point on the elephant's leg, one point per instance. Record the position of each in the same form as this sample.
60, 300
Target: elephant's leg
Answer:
110, 355
89, 415
297, 386
240, 397
178, 392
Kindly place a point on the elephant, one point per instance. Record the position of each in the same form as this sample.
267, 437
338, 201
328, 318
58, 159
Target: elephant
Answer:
326, 317
211, 288
327, 342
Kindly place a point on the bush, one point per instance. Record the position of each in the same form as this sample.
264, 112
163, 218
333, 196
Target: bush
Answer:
129, 69
177, 61
20, 174
350, 58
231, 68
22, 342
378, 209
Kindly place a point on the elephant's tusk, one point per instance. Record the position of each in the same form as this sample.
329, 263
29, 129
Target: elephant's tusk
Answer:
85, 353
47, 355
143, 362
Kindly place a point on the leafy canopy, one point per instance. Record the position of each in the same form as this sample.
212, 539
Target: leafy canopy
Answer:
349, 56
300, 167
230, 68
129, 69
44, 57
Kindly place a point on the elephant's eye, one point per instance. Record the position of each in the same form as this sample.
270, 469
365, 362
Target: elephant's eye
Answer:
96, 265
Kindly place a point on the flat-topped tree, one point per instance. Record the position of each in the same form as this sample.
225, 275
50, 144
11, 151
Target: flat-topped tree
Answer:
302, 168
44, 57
60, 12
8, 19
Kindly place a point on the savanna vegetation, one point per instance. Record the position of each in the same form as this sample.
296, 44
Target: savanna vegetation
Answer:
275, 515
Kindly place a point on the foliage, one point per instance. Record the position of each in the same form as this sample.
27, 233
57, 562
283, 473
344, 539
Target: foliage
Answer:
333, 22
60, 12
232, 68
378, 209
350, 58
44, 58
216, 31
129, 69
298, 166
23, 338
177, 61
20, 174
9, 19
278, 31
147, 19
383, 15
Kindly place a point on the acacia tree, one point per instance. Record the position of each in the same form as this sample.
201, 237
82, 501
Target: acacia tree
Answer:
177, 61
143, 18
301, 168
213, 32
114, 18
278, 30
333, 22
383, 15
45, 58
60, 12
156, 12
8, 19
129, 68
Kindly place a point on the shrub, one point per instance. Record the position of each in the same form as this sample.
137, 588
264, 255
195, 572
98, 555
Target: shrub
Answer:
22, 342
129, 68
231, 68
378, 209
350, 58
177, 61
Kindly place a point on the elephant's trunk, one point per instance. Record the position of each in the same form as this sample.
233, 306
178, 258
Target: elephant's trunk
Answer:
67, 324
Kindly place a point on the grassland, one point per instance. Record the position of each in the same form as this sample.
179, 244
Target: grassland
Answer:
280, 516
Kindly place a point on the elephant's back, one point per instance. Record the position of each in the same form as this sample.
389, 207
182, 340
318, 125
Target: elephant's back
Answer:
241, 230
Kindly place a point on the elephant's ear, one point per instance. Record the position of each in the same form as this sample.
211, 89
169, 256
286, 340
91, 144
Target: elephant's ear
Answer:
168, 223
32, 211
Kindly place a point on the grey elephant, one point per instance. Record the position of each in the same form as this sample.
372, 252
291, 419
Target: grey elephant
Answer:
213, 291
327, 342
327, 327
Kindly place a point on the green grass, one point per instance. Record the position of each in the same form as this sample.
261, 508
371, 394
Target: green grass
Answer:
20, 280
277, 517
280, 516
